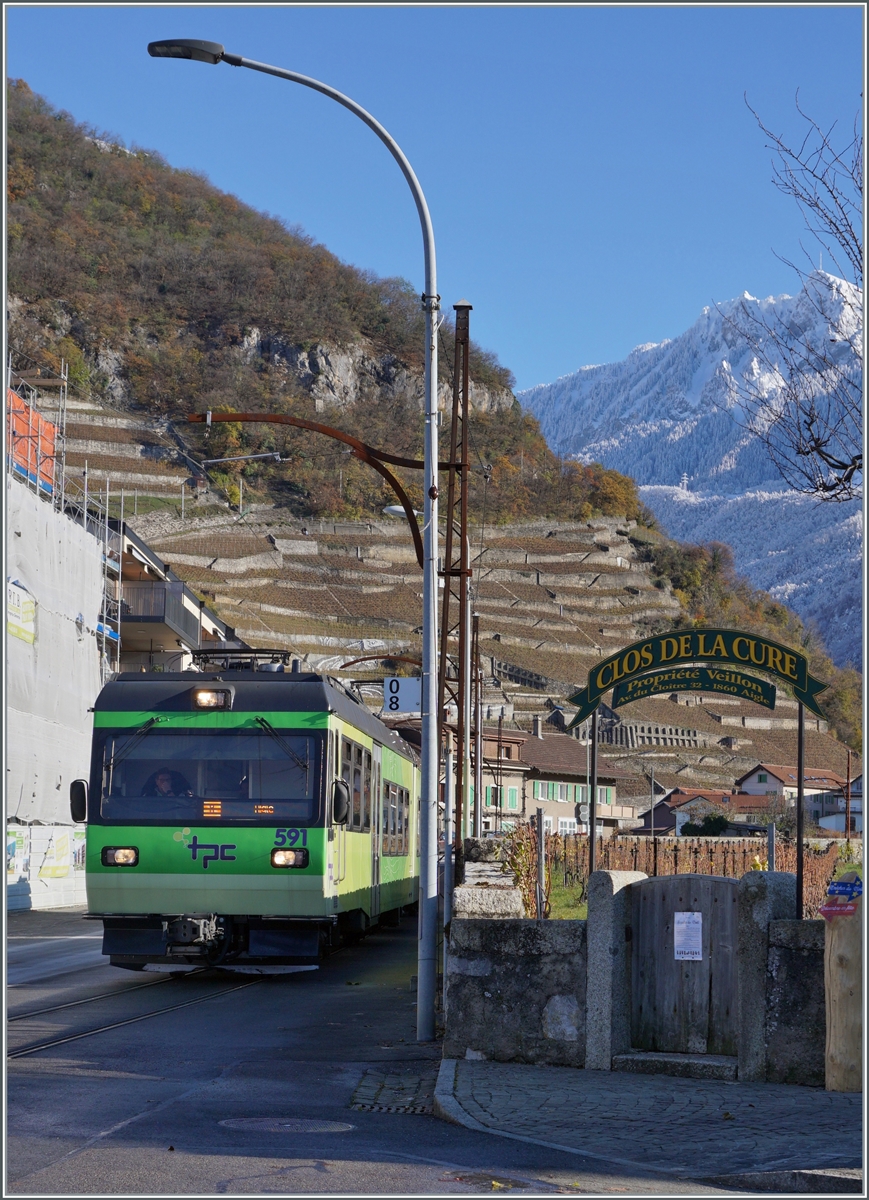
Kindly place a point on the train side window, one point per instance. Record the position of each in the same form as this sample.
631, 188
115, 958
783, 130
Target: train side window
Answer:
366, 790
384, 819
390, 804
356, 790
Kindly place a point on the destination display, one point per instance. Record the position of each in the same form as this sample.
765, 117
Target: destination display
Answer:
696, 679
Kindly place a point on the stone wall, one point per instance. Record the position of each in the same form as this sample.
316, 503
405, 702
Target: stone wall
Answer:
559, 992
516, 991
795, 1016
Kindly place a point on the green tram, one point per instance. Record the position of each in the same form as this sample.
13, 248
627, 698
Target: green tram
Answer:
250, 817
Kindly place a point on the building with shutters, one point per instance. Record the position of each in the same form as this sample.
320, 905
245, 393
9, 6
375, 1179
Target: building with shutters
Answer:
523, 772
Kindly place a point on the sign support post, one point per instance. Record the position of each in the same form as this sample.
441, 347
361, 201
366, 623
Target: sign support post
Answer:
801, 740
592, 800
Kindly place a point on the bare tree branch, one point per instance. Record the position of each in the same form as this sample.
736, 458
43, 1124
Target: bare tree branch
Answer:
803, 394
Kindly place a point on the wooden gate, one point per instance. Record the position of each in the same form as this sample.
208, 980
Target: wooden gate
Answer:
686, 1006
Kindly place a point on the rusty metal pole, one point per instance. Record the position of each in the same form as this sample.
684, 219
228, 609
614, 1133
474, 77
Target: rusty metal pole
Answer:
457, 571
478, 731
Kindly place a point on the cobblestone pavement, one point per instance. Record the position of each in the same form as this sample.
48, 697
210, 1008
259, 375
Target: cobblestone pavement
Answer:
408, 1090
687, 1127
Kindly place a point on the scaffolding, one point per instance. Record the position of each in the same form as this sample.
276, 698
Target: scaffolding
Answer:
44, 396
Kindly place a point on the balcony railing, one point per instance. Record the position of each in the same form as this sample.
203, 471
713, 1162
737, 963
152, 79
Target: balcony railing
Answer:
160, 602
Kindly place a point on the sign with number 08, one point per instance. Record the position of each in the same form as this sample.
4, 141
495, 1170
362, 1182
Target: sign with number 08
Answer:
402, 694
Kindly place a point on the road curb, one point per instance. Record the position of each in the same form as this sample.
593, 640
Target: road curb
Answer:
825, 1179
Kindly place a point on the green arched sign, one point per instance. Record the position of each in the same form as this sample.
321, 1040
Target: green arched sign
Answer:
732, 648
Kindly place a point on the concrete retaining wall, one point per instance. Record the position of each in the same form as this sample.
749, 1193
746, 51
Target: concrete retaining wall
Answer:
516, 991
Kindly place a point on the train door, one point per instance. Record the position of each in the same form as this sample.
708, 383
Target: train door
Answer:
376, 827
338, 833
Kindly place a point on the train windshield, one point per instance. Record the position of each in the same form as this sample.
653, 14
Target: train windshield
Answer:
195, 775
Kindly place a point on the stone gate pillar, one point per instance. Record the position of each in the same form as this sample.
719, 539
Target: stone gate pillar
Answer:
764, 896
608, 987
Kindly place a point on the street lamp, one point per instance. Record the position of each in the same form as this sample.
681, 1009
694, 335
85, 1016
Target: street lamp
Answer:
213, 53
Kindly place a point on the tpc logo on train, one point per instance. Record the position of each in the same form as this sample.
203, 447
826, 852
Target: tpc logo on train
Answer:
205, 852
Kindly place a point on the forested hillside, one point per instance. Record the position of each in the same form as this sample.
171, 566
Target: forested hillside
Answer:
164, 294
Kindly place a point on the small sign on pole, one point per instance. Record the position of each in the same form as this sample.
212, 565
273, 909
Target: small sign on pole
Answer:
402, 694
842, 896
688, 936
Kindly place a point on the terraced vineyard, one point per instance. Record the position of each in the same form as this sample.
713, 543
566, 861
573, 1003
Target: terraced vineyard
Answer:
553, 599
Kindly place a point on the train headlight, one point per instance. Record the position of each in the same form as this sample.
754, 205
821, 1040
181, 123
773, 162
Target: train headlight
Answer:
289, 858
212, 698
120, 856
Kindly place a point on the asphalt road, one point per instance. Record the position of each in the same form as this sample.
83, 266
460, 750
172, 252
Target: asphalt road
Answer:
139, 1108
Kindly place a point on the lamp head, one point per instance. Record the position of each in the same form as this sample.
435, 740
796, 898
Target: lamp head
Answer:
207, 52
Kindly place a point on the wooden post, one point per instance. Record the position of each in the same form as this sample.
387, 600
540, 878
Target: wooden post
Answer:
843, 987
541, 866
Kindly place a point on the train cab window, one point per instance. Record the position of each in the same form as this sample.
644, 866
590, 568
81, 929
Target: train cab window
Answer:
196, 775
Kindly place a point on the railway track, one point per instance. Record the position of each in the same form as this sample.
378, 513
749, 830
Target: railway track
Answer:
40, 1012
37, 1047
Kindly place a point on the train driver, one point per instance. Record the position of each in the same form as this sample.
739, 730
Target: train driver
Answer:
165, 782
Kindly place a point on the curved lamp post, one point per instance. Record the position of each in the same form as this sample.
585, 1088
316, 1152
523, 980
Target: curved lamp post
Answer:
213, 53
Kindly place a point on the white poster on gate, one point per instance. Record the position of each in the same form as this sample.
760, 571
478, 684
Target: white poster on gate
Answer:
688, 936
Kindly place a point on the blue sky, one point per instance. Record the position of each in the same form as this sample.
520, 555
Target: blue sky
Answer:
593, 174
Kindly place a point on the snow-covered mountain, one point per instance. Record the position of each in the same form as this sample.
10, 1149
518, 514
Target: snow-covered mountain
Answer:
668, 411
